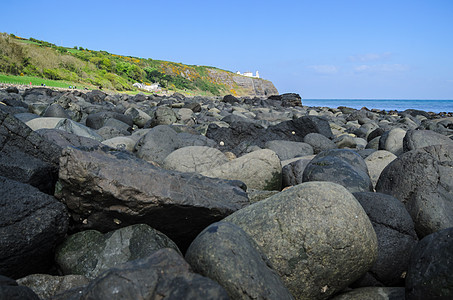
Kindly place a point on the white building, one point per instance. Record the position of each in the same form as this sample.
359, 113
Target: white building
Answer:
249, 74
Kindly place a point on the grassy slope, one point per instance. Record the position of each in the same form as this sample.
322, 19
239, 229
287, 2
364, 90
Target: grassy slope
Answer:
30, 60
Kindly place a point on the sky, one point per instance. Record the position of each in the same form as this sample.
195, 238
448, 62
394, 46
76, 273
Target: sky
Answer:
320, 49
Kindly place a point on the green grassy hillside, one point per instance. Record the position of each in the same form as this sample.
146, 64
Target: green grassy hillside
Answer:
31, 60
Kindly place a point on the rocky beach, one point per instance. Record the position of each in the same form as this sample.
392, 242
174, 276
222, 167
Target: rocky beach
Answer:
114, 196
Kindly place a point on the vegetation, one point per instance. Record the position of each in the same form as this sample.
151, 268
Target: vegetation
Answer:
31, 60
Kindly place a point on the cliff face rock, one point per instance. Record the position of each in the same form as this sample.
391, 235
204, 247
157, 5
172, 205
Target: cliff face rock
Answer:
240, 85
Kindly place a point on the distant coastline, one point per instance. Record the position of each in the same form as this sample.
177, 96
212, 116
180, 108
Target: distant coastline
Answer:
435, 106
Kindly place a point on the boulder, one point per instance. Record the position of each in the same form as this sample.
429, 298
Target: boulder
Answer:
392, 141
422, 179
429, 275
373, 293
27, 157
121, 143
110, 190
63, 139
99, 119
260, 169
395, 234
194, 159
163, 275
292, 173
89, 253
415, 139
46, 286
186, 139
319, 142
31, 224
139, 117
55, 110
287, 149
10, 290
341, 166
159, 142
226, 254
376, 162
316, 235
163, 115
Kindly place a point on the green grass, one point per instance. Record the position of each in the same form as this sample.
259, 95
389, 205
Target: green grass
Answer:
25, 80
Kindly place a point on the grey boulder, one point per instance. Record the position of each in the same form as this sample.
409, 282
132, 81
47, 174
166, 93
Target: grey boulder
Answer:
422, 179
194, 159
316, 235
159, 142
415, 139
288, 149
226, 254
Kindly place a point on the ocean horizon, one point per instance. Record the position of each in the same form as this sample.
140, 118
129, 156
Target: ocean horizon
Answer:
435, 106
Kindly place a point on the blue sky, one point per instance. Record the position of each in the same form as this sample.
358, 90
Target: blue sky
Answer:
320, 49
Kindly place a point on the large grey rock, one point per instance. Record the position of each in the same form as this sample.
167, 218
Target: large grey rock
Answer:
139, 117
288, 149
373, 293
163, 275
10, 290
100, 119
159, 142
25, 156
395, 234
376, 162
226, 254
121, 143
194, 159
316, 235
64, 139
260, 169
423, 180
31, 224
163, 115
319, 142
392, 141
341, 166
415, 139
55, 110
429, 275
109, 190
46, 286
90, 252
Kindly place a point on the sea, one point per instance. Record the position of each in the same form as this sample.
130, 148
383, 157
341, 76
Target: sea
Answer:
435, 106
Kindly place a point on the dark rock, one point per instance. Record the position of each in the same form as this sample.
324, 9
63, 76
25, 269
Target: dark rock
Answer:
109, 190
10, 290
429, 275
55, 110
90, 253
341, 166
395, 233
26, 156
316, 236
375, 133
416, 112
186, 139
46, 286
195, 107
157, 144
163, 275
373, 293
415, 139
392, 141
319, 142
443, 125
291, 100
423, 180
31, 224
96, 96
292, 173
230, 99
226, 254
163, 115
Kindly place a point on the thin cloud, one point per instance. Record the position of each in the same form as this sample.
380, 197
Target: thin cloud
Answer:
381, 68
370, 57
324, 69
